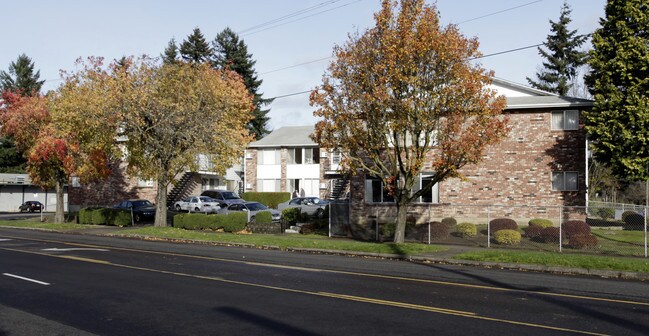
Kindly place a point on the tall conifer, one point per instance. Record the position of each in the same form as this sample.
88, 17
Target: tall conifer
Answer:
195, 48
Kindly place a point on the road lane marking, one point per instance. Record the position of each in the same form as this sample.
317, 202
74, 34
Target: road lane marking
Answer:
404, 305
369, 275
56, 249
26, 279
4, 239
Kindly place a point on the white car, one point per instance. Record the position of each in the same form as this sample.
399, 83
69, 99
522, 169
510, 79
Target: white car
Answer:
198, 204
253, 208
313, 206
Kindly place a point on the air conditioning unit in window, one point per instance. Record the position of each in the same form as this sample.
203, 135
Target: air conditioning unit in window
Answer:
323, 154
248, 155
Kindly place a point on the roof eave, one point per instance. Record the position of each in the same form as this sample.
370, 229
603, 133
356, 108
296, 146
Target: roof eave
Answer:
546, 105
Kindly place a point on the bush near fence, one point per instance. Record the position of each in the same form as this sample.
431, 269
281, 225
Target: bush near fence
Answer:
270, 199
231, 222
502, 224
104, 216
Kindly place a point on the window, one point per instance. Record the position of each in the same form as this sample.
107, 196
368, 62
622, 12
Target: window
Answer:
335, 157
303, 155
268, 185
565, 120
430, 195
268, 157
375, 192
294, 184
144, 183
564, 181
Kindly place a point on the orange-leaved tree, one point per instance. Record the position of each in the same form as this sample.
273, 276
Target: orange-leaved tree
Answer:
55, 147
405, 97
171, 113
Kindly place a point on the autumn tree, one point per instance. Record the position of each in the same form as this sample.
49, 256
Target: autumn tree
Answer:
59, 142
172, 113
21, 77
195, 48
618, 124
232, 53
404, 97
562, 57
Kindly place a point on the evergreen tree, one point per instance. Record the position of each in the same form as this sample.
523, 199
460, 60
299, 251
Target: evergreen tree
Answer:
195, 49
561, 58
170, 55
21, 77
618, 124
232, 53
10, 159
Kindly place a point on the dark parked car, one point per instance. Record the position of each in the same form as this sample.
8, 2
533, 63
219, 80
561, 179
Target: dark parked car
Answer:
143, 210
223, 196
31, 206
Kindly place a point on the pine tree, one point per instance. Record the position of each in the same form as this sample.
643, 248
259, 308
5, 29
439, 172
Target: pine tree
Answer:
195, 49
21, 77
232, 53
10, 159
562, 59
170, 55
618, 125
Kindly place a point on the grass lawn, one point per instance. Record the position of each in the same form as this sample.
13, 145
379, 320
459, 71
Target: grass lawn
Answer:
559, 259
31, 223
285, 241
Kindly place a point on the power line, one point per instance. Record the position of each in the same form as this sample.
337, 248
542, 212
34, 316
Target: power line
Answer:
288, 16
296, 65
498, 12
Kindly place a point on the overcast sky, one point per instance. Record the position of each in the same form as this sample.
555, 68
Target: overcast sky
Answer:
55, 33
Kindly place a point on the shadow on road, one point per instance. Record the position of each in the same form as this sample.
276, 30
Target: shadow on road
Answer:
263, 322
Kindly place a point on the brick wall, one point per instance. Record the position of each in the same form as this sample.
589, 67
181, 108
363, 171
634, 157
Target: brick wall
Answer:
251, 170
516, 172
119, 186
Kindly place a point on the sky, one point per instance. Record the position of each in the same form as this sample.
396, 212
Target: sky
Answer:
290, 40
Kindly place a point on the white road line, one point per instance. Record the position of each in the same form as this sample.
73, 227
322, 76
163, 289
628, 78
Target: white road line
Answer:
4, 239
74, 249
26, 279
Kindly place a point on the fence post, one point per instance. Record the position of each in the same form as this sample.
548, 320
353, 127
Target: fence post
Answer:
488, 227
428, 224
560, 227
645, 231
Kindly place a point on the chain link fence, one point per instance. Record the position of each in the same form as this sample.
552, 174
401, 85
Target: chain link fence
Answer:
602, 228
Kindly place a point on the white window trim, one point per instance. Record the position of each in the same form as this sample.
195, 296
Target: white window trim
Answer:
563, 127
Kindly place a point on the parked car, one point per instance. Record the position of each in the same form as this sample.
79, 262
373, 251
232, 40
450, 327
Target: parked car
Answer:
313, 206
223, 196
31, 206
199, 204
143, 210
253, 208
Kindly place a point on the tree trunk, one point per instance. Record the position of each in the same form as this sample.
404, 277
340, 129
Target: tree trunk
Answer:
400, 229
59, 216
161, 202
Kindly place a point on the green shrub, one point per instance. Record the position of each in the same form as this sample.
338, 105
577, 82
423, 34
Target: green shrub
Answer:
270, 199
234, 221
449, 221
98, 216
507, 237
575, 227
291, 215
388, 229
605, 213
551, 234
583, 241
502, 224
304, 217
264, 217
540, 222
85, 215
119, 217
466, 230
178, 221
633, 221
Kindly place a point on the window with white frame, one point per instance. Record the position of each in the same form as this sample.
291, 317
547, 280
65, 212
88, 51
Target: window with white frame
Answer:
431, 194
335, 157
565, 181
268, 185
565, 120
303, 155
142, 183
268, 157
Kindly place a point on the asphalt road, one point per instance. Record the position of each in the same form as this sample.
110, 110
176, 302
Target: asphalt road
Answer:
57, 284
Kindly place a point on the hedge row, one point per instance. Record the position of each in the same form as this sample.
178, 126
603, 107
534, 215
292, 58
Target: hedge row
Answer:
231, 222
269, 199
105, 216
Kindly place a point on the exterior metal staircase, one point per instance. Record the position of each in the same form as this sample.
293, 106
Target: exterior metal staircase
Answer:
340, 187
180, 188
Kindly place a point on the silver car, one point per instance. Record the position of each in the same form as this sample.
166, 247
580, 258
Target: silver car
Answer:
313, 206
252, 208
198, 204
